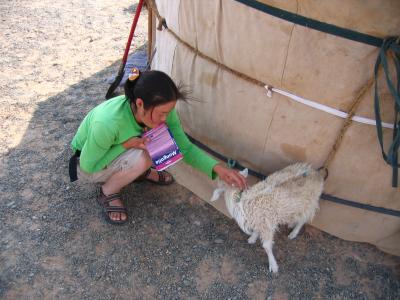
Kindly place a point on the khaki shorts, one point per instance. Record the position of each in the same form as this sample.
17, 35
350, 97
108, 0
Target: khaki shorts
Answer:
126, 160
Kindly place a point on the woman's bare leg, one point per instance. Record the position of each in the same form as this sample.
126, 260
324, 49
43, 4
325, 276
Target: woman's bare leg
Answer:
118, 180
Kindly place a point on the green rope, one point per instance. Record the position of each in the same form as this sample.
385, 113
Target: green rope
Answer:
389, 45
314, 24
231, 163
238, 196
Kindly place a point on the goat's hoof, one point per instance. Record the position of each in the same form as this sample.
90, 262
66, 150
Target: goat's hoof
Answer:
251, 241
273, 268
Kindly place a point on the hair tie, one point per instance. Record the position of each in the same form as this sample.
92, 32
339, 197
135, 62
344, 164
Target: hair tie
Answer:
133, 74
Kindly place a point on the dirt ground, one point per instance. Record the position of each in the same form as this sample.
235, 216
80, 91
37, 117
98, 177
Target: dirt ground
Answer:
55, 58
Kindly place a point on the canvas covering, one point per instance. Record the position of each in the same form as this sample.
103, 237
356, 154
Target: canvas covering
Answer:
236, 118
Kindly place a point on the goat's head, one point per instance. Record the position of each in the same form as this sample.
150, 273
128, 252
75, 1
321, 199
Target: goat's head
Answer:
231, 194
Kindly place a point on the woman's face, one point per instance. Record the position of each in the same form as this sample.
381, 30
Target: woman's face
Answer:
153, 116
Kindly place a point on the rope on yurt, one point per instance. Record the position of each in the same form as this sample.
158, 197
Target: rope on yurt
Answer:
390, 47
327, 197
347, 122
162, 21
314, 24
237, 165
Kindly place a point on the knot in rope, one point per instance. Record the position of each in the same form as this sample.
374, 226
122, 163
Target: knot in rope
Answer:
231, 163
162, 23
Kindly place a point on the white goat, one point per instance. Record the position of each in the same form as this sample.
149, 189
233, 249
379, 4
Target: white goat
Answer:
289, 196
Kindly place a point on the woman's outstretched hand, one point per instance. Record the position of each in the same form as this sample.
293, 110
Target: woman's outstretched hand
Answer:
230, 176
136, 142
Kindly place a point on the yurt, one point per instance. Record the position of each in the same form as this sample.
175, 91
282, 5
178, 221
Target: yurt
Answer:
277, 82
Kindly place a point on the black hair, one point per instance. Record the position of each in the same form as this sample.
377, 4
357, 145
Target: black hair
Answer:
154, 88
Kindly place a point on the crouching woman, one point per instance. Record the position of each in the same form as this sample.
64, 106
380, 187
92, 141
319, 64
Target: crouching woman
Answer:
109, 148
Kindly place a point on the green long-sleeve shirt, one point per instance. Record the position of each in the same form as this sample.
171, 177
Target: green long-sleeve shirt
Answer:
108, 125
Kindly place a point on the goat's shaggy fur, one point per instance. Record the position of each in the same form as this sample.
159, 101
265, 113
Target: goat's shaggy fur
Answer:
289, 196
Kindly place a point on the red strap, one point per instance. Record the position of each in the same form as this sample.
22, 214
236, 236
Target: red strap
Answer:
133, 27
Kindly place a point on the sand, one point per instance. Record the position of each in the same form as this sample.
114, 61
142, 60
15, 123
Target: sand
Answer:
55, 59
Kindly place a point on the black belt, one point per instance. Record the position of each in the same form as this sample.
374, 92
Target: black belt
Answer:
73, 165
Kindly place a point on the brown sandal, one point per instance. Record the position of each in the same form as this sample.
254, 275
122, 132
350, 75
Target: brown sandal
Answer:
162, 177
104, 202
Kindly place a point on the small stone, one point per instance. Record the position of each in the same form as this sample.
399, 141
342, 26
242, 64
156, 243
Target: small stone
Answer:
11, 203
219, 241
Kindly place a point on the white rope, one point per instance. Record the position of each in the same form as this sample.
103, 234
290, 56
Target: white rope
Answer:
324, 108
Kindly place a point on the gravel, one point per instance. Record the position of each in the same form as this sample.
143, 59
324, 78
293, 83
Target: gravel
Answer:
54, 244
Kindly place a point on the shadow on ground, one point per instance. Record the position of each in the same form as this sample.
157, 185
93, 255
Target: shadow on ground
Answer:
55, 243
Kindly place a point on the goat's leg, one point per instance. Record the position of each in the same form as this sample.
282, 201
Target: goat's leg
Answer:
273, 266
291, 225
253, 238
296, 229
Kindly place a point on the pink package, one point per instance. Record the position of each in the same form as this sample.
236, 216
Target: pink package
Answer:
162, 147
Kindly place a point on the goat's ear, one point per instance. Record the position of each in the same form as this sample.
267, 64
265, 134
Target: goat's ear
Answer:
216, 194
244, 172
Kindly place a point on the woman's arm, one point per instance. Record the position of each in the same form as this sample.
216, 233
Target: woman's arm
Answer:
192, 154
197, 158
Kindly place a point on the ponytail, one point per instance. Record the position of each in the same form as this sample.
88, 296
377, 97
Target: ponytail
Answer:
130, 84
